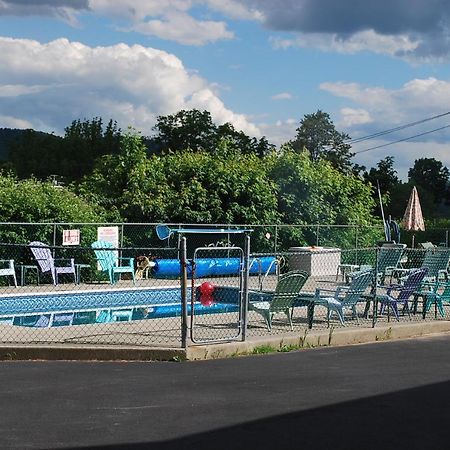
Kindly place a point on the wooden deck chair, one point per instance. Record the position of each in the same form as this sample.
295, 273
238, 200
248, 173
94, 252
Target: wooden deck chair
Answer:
7, 269
110, 263
48, 264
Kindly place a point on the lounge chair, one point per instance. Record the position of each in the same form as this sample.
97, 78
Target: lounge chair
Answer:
388, 260
401, 293
436, 261
437, 293
280, 300
110, 263
7, 269
48, 264
343, 297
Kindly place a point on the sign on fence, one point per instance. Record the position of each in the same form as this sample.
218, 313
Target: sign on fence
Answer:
109, 234
71, 237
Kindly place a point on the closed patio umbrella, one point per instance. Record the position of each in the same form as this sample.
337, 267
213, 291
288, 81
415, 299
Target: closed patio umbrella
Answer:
413, 218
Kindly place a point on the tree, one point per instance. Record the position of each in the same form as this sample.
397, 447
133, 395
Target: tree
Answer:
432, 176
36, 154
189, 187
34, 201
195, 130
318, 135
71, 157
317, 193
84, 142
384, 176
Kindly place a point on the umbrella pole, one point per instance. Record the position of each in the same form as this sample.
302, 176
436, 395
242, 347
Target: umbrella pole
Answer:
412, 241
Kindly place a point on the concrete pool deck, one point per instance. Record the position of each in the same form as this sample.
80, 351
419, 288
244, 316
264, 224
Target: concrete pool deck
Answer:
160, 339
268, 343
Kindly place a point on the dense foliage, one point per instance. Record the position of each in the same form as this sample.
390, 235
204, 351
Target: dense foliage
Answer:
193, 171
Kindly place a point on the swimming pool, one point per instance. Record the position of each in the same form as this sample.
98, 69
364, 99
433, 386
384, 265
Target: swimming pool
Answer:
87, 307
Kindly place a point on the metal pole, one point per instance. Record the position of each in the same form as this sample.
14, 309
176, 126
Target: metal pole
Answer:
184, 311
54, 239
276, 239
382, 211
244, 301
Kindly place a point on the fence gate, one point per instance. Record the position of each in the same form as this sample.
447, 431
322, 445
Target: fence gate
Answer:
216, 287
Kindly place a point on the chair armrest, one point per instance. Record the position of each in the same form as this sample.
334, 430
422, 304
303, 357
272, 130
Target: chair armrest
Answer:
130, 260
9, 261
70, 260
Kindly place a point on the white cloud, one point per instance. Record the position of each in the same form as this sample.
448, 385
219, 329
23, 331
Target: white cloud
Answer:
280, 132
416, 99
351, 116
282, 96
168, 20
405, 153
367, 40
14, 122
49, 85
377, 109
14, 90
179, 27
234, 9
62, 9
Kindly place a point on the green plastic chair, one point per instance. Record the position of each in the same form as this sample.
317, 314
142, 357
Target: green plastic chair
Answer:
281, 300
344, 296
389, 260
438, 293
110, 263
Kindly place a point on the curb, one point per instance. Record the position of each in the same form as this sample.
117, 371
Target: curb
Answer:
313, 339
266, 344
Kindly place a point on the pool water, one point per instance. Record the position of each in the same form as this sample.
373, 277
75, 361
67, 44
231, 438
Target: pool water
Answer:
86, 307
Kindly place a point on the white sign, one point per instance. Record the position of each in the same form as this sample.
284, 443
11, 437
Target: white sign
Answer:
109, 234
71, 237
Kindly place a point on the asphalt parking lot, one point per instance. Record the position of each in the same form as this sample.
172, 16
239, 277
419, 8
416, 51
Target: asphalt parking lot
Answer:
374, 396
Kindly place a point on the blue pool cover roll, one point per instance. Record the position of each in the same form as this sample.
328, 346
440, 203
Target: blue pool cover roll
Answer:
214, 266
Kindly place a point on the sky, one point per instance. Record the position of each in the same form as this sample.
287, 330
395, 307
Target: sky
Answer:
260, 64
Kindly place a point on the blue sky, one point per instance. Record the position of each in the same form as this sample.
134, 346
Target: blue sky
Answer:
259, 64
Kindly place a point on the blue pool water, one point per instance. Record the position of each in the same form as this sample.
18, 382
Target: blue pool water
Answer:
76, 308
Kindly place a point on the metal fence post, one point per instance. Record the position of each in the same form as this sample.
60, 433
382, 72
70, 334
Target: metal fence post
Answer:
244, 305
184, 320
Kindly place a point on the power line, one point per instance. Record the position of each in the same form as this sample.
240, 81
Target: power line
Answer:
392, 130
402, 140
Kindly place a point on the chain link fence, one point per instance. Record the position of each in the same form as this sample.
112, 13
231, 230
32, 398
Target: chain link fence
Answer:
60, 294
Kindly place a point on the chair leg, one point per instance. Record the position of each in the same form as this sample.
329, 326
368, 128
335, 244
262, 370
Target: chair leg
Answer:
288, 314
395, 310
310, 314
340, 313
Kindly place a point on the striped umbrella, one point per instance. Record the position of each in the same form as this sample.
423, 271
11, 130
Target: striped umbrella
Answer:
413, 218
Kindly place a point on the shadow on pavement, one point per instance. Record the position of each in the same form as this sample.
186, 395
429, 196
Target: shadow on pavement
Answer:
411, 419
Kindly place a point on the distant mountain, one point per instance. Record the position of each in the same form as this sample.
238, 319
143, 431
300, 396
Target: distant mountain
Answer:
10, 135
7, 136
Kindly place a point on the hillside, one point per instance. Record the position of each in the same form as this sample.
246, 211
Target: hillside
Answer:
7, 136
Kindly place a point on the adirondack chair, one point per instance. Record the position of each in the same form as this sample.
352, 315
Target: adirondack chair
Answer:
7, 269
48, 264
343, 297
280, 300
401, 293
110, 263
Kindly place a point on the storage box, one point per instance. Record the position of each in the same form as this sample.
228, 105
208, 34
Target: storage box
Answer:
317, 261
